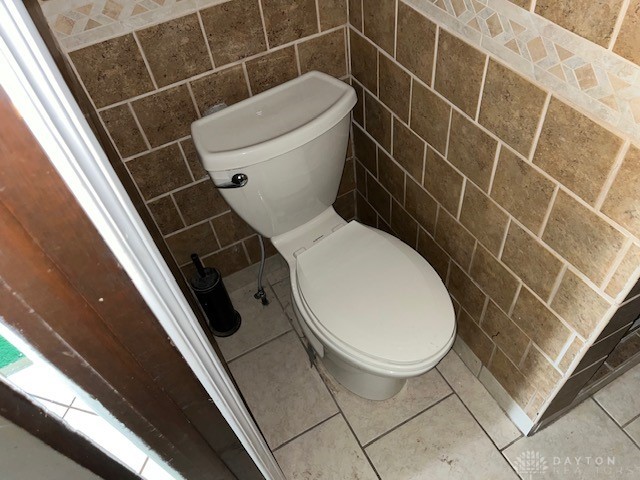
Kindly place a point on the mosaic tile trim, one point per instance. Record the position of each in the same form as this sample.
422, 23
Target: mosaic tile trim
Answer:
603, 84
78, 23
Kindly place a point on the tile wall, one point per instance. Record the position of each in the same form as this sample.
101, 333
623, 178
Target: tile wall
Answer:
152, 80
525, 202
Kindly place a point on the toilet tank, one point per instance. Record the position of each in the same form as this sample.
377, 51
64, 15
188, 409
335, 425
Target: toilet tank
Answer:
290, 144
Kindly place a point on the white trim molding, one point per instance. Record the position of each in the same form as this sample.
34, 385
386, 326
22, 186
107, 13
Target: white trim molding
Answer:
35, 86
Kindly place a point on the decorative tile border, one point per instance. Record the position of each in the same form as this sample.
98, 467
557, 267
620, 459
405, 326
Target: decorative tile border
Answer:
78, 23
603, 84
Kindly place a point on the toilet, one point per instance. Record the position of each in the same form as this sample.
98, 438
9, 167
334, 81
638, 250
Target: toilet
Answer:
372, 308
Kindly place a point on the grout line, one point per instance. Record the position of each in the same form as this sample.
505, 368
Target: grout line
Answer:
617, 262
435, 56
613, 173
153, 149
395, 32
254, 348
504, 238
556, 283
382, 435
296, 52
318, 15
463, 190
193, 100
538, 133
144, 59
512, 307
274, 450
144, 464
139, 125
547, 214
186, 162
612, 419
449, 129
206, 40
563, 351
624, 7
494, 168
175, 204
264, 25
482, 84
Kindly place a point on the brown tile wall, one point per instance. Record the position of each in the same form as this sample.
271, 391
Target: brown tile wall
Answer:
149, 85
528, 208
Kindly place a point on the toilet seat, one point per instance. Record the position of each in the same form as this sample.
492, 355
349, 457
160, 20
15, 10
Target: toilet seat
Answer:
375, 300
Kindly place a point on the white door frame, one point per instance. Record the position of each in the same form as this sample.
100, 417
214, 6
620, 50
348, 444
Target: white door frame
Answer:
31, 79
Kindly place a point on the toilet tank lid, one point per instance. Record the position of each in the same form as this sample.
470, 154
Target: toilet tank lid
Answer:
272, 122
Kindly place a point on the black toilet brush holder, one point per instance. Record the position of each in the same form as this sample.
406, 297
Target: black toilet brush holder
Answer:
223, 320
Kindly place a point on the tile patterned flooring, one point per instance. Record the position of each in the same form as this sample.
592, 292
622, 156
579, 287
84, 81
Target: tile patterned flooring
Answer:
443, 424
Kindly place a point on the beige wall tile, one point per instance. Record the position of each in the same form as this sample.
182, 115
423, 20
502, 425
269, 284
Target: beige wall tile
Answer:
379, 198
380, 22
572, 352
355, 14
540, 372
591, 19
483, 218
415, 56
378, 121
395, 86
112, 70
578, 304
532, 262
471, 150
365, 150
345, 206
431, 251
540, 324
454, 238
358, 110
230, 228
234, 30
123, 130
175, 50
200, 201
629, 265
159, 172
272, 69
289, 20
628, 41
466, 292
391, 176
430, 117
622, 203
442, 181
521, 190
228, 86
408, 149
514, 382
511, 107
474, 337
166, 116
333, 13
403, 225
583, 238
522, 3
459, 70
348, 181
364, 61
166, 215
199, 239
506, 334
421, 206
493, 278
325, 54
575, 150
366, 213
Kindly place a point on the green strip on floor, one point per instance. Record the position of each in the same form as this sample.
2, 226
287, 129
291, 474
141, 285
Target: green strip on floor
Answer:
8, 353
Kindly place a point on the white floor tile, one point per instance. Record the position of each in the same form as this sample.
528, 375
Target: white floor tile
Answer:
44, 382
282, 289
573, 447
633, 430
102, 433
326, 452
285, 395
260, 323
621, 398
153, 471
479, 402
445, 442
370, 419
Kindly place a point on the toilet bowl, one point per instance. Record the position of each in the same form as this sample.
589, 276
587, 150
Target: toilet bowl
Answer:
371, 307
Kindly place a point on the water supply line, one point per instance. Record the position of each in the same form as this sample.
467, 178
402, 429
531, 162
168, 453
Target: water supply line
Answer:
260, 294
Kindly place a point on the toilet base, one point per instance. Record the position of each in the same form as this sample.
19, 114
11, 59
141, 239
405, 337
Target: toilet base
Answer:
364, 384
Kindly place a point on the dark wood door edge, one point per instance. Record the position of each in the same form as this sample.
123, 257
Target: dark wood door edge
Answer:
21, 411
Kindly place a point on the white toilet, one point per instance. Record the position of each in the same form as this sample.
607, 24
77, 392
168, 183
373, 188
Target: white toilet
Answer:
372, 308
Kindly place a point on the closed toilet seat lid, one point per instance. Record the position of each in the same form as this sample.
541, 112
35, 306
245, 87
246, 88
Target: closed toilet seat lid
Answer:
371, 292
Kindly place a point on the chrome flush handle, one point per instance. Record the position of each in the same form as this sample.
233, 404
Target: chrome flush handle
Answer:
237, 181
